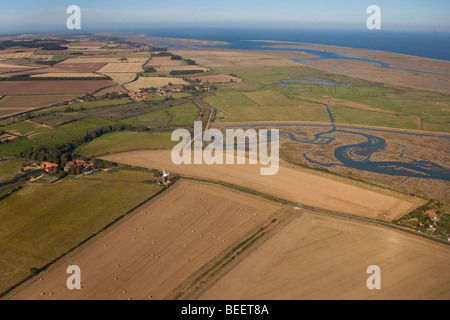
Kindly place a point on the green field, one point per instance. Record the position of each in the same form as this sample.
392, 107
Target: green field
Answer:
86, 105
42, 221
264, 87
343, 114
58, 135
9, 169
25, 127
125, 141
266, 105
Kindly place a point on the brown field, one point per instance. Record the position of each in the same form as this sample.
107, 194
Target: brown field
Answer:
106, 59
15, 50
159, 247
51, 86
66, 74
153, 82
10, 105
163, 61
14, 66
117, 88
290, 183
75, 67
121, 67
121, 78
322, 257
216, 78
18, 55
223, 58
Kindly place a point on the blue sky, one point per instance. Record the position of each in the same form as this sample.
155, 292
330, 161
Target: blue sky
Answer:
50, 15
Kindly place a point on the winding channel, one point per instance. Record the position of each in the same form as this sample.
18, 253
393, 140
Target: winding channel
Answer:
359, 156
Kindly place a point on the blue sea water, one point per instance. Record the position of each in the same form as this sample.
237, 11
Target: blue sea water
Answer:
434, 45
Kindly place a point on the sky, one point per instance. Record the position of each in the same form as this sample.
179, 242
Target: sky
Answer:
104, 15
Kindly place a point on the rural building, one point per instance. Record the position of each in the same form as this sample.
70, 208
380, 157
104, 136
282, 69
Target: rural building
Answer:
77, 163
433, 215
48, 166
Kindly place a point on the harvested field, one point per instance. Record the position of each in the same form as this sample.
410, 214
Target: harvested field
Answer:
216, 78
321, 257
289, 183
18, 55
51, 86
109, 90
75, 67
17, 104
14, 66
121, 78
106, 59
165, 242
164, 61
121, 67
154, 82
67, 74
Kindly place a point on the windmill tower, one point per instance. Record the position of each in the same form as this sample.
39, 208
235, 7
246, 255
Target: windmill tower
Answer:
165, 177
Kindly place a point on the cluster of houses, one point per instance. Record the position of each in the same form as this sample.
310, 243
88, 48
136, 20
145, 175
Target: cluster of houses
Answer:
138, 95
51, 167
165, 92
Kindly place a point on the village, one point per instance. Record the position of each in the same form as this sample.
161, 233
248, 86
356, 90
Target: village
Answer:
165, 92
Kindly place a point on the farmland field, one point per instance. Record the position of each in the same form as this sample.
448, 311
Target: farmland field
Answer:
163, 61
75, 67
32, 235
126, 141
264, 106
122, 78
290, 183
321, 257
9, 169
22, 103
153, 82
165, 242
67, 74
215, 78
59, 135
121, 68
106, 59
51, 86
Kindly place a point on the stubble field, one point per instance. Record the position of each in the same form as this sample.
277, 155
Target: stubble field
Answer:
159, 247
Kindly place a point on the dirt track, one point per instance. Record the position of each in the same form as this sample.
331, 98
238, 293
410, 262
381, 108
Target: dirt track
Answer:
289, 184
160, 246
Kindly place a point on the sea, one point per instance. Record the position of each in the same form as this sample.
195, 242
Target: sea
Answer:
434, 45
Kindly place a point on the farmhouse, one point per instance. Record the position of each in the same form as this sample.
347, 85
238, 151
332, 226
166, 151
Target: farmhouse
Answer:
138, 95
433, 215
77, 163
48, 166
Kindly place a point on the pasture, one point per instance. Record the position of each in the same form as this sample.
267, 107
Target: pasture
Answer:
32, 235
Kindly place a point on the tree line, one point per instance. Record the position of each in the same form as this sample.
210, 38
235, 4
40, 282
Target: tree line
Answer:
62, 153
